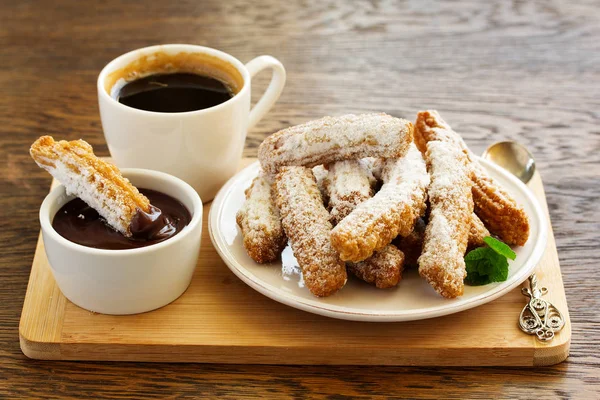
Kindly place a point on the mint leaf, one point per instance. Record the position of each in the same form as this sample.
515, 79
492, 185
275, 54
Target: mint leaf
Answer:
499, 271
484, 265
479, 253
500, 247
473, 277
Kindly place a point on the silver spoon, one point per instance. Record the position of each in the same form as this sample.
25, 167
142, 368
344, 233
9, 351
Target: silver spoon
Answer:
539, 317
512, 156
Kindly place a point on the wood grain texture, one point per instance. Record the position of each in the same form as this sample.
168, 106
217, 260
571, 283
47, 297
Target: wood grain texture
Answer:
220, 319
525, 70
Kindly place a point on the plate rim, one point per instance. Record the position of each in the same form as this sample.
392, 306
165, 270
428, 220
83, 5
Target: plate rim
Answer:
336, 311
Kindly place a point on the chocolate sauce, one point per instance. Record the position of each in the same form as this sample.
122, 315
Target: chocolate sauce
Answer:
178, 92
79, 223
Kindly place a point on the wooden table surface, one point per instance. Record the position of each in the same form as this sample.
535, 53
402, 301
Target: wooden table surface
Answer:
496, 70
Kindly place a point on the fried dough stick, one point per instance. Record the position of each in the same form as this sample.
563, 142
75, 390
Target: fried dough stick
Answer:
383, 269
259, 220
412, 245
393, 211
348, 184
477, 232
306, 224
442, 262
331, 139
97, 182
497, 209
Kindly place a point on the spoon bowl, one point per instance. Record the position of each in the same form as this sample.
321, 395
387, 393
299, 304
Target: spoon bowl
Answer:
512, 156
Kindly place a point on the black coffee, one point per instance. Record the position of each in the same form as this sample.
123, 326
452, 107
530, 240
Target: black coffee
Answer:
171, 93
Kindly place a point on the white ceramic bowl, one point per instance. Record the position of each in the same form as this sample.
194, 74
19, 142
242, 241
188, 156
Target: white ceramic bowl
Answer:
125, 281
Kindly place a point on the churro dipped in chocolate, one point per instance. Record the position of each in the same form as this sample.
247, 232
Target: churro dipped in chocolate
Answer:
393, 211
331, 139
442, 262
306, 224
497, 209
99, 184
260, 222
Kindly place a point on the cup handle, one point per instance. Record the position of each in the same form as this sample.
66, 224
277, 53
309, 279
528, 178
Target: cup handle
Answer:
273, 90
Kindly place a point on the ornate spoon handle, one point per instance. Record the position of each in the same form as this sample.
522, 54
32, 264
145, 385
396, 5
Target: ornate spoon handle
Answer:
539, 317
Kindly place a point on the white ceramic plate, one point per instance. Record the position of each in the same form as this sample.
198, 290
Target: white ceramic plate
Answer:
412, 299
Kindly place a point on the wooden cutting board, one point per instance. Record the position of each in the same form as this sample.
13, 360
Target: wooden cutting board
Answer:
221, 320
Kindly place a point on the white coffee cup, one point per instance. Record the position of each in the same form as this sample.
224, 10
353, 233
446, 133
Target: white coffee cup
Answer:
201, 147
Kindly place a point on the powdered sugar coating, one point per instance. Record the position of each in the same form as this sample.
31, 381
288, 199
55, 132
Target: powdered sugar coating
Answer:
322, 177
391, 212
331, 139
375, 165
442, 261
306, 224
496, 208
97, 182
349, 183
260, 222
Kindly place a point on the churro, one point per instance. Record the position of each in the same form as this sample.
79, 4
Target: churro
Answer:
260, 223
97, 182
383, 269
306, 224
451, 205
322, 177
331, 139
349, 183
393, 211
477, 232
352, 194
496, 208
375, 165
412, 245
